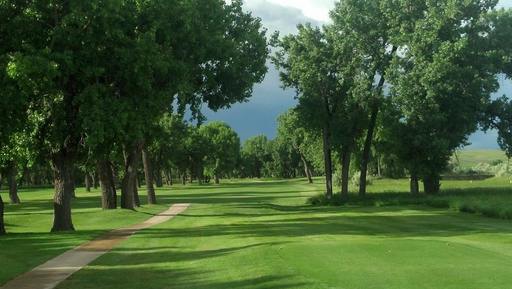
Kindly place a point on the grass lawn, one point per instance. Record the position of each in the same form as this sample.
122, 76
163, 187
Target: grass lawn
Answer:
262, 235
29, 242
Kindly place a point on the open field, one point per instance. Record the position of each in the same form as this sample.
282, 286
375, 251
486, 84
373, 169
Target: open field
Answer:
262, 235
470, 158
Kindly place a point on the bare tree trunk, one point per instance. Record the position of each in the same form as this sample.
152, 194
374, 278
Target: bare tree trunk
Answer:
415, 187
431, 183
379, 169
157, 175
94, 177
148, 173
327, 161
307, 170
13, 186
136, 197
108, 187
371, 129
367, 149
200, 176
345, 171
87, 182
62, 163
2, 225
168, 176
130, 175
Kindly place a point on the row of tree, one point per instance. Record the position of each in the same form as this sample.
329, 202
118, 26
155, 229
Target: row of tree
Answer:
412, 79
93, 83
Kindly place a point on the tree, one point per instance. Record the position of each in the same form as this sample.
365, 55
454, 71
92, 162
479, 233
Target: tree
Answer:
13, 96
499, 117
65, 64
284, 160
440, 84
224, 148
499, 113
289, 129
372, 44
321, 66
305, 64
255, 153
197, 148
169, 149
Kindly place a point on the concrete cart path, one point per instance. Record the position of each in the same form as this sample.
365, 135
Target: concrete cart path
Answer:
56, 270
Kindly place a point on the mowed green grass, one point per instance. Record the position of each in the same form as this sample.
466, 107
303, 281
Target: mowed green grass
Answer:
29, 241
262, 235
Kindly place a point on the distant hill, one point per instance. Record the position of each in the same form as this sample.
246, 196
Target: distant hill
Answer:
470, 158
481, 161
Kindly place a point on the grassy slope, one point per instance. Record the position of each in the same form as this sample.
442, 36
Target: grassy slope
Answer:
470, 158
260, 235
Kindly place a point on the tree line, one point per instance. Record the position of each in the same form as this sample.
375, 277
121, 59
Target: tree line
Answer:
96, 93
93, 84
404, 82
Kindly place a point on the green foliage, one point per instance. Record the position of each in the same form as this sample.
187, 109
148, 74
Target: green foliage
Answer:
223, 148
500, 112
439, 84
255, 153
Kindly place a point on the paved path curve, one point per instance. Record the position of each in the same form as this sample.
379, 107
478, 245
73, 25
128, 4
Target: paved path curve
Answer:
51, 273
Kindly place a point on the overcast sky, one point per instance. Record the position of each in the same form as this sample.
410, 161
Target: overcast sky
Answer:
258, 116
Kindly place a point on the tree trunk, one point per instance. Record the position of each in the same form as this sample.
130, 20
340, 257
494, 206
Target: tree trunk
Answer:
131, 156
148, 174
307, 170
62, 163
168, 176
367, 149
136, 197
415, 187
431, 184
108, 187
379, 169
345, 172
200, 176
2, 225
157, 173
94, 177
217, 179
13, 186
327, 161
158, 177
87, 182
371, 129
184, 179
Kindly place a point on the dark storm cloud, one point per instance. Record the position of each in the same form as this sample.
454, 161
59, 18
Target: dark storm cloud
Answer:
258, 116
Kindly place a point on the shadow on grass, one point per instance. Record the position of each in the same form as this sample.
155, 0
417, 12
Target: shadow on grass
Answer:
157, 278
415, 224
169, 254
144, 268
